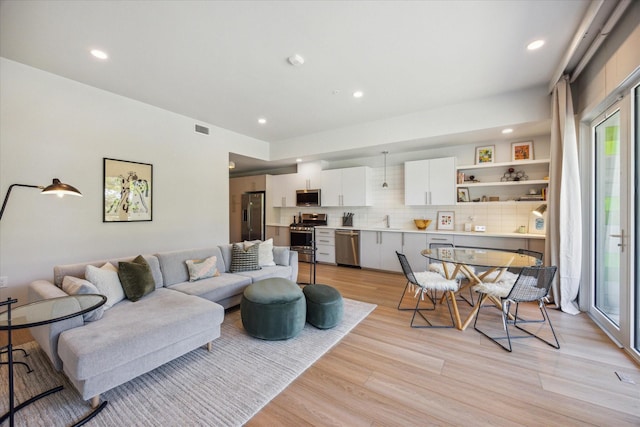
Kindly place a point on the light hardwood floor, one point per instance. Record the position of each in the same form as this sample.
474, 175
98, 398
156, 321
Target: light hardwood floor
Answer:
385, 373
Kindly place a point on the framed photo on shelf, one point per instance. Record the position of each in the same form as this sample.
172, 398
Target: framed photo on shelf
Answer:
521, 151
127, 191
446, 220
463, 194
485, 154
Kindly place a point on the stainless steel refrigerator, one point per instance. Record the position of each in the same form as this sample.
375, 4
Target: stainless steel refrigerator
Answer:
252, 226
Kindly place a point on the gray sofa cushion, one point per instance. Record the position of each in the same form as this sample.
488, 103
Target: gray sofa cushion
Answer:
131, 330
174, 267
267, 272
215, 288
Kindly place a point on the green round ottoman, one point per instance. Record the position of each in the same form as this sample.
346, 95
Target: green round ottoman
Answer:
273, 309
324, 306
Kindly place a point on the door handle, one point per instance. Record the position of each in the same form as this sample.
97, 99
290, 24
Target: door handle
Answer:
621, 236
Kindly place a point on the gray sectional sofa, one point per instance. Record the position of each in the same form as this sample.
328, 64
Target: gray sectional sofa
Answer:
132, 338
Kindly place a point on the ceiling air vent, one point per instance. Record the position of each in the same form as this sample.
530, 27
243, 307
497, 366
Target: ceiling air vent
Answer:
203, 130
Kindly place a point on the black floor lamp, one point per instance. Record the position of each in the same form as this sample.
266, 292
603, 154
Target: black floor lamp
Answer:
60, 189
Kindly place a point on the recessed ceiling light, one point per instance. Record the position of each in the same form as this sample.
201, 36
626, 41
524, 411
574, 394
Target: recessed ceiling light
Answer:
507, 130
298, 160
358, 94
100, 54
296, 60
262, 120
537, 44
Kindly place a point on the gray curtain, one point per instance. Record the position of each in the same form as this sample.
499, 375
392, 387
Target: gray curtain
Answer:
564, 223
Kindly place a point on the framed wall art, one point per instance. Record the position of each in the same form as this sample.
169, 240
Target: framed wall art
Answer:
446, 220
127, 191
521, 151
463, 194
485, 154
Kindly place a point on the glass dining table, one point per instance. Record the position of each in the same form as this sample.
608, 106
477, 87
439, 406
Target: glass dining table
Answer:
492, 264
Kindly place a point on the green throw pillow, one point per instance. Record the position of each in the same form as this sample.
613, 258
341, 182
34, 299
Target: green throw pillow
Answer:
136, 278
244, 260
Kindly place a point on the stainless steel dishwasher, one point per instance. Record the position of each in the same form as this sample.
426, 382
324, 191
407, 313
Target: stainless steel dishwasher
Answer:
348, 247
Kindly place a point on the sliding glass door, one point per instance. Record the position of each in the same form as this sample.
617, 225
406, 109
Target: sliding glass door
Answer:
611, 231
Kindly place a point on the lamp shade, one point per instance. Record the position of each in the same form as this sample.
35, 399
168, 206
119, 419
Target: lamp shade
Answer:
540, 210
61, 189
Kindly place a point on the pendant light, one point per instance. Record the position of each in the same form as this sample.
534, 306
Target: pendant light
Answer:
384, 184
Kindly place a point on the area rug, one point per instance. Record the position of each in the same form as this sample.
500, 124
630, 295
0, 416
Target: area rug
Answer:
224, 387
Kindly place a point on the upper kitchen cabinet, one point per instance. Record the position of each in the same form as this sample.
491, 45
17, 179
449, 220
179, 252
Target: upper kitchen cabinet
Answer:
430, 182
346, 187
309, 175
283, 189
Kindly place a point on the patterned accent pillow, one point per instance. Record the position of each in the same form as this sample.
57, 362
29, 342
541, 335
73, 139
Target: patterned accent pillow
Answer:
76, 286
106, 280
244, 260
265, 251
202, 268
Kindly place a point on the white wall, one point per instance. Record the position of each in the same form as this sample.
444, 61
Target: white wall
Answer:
52, 127
509, 109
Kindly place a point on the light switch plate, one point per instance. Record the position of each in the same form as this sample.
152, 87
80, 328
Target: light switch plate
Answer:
481, 228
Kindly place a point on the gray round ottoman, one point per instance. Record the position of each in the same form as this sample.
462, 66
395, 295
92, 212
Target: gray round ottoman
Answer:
273, 309
324, 306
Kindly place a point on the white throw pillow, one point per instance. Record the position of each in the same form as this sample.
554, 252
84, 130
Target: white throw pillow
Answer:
76, 286
265, 251
106, 280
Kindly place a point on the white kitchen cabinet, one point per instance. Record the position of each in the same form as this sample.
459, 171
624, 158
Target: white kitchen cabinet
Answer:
283, 189
412, 246
346, 187
430, 182
325, 245
309, 176
491, 242
378, 250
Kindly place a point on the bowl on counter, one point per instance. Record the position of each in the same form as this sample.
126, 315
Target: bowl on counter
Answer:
422, 224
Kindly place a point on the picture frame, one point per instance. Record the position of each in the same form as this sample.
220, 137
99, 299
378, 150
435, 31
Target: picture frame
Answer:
446, 220
485, 154
463, 195
127, 191
538, 225
521, 151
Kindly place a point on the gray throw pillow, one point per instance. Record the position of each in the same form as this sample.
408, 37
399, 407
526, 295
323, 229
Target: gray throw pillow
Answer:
76, 286
244, 260
136, 278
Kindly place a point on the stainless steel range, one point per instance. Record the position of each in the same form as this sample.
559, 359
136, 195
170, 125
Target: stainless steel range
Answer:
301, 233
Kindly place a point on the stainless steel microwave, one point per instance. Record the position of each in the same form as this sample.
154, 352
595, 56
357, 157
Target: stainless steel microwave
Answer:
308, 198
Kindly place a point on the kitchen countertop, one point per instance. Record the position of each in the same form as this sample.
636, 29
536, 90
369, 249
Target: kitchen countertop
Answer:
448, 232
414, 230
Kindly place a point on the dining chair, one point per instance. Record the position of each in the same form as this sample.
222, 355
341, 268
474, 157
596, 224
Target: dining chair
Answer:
439, 267
423, 284
532, 285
